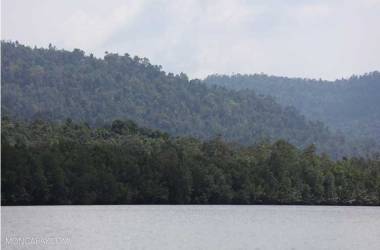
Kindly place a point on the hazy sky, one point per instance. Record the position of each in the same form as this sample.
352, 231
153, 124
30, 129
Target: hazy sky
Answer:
306, 38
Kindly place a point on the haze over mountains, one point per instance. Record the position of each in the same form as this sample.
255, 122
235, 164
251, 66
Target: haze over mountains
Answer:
347, 105
82, 130
56, 84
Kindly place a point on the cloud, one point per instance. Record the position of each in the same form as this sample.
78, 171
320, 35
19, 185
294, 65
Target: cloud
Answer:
69, 24
92, 31
315, 38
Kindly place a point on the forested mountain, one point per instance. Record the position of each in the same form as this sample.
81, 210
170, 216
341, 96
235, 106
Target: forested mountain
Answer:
56, 84
69, 163
99, 157
349, 105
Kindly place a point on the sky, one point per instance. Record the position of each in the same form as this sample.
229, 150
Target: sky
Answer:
305, 38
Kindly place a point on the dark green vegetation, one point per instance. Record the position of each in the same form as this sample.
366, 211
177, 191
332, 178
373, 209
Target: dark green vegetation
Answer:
349, 105
55, 84
233, 146
43, 163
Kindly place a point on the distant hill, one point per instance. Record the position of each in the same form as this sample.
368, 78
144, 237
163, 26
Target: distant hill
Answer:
349, 105
53, 85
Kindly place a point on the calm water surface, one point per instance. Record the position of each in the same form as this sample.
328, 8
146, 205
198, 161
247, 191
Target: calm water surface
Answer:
190, 227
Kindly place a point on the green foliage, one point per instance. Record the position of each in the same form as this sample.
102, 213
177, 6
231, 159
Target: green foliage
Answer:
347, 105
70, 163
52, 84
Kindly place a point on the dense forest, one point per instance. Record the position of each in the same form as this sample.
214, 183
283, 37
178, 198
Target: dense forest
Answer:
54, 85
77, 129
349, 105
122, 163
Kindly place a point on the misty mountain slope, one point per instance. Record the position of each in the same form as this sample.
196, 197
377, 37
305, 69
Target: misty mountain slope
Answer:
56, 84
349, 105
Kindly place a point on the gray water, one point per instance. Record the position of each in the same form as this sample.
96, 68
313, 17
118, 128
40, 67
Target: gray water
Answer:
190, 227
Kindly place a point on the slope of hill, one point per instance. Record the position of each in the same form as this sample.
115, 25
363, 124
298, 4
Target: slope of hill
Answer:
57, 84
349, 105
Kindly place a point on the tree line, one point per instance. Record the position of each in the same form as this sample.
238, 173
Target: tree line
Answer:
122, 163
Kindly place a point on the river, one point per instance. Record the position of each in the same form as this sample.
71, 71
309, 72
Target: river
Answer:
190, 227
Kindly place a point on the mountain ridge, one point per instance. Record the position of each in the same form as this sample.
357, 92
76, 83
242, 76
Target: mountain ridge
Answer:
56, 84
349, 105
